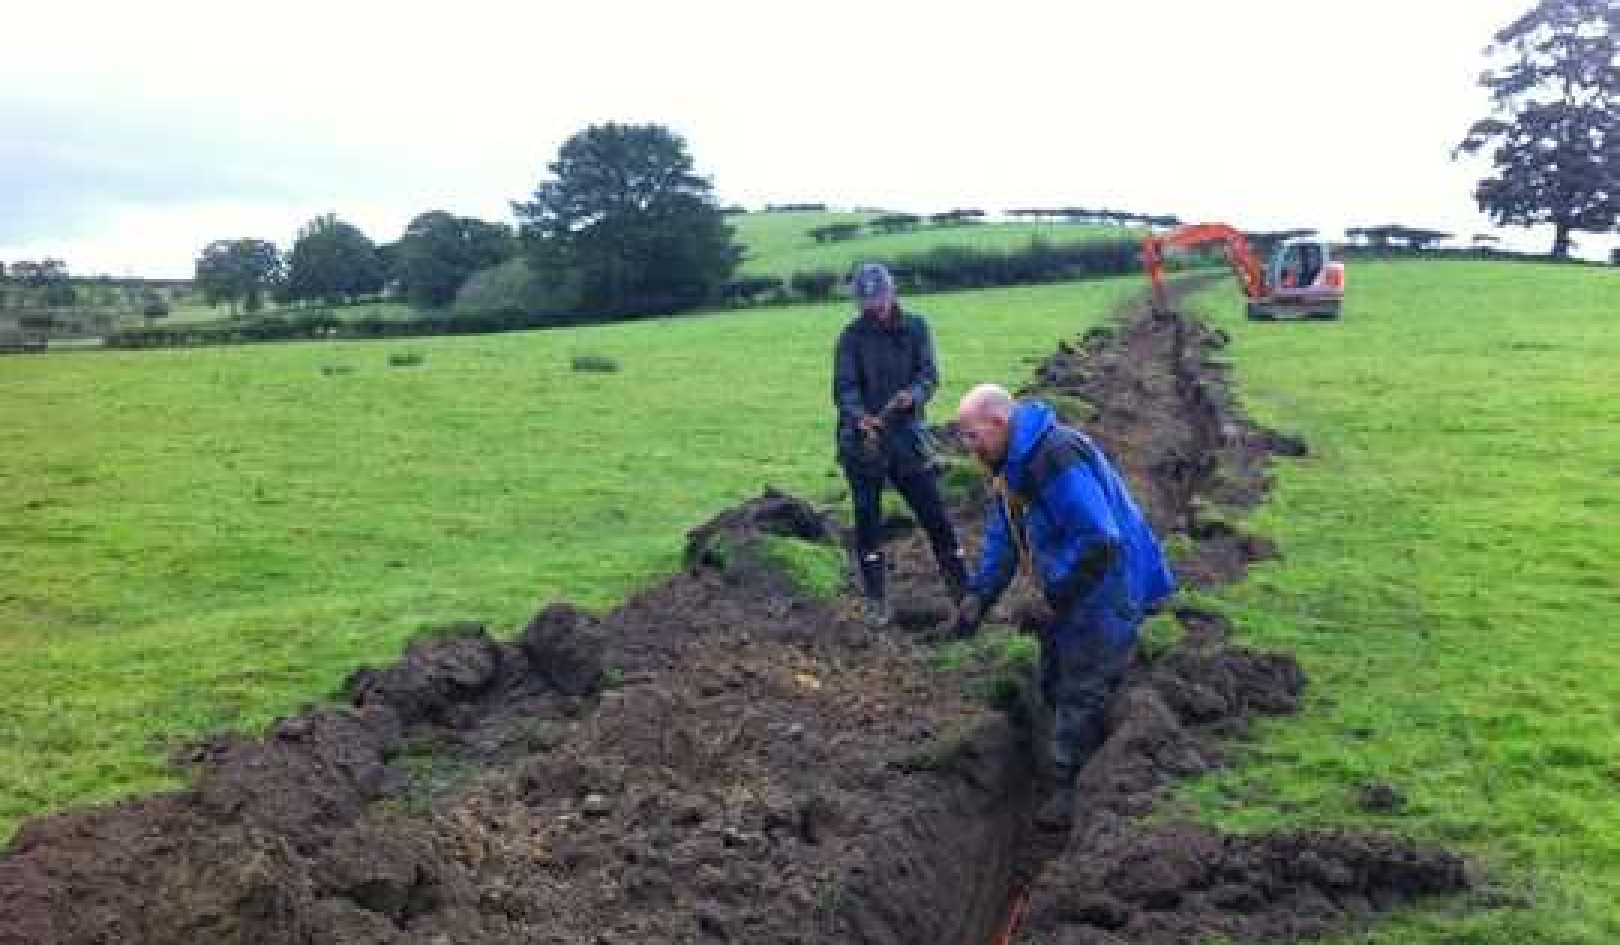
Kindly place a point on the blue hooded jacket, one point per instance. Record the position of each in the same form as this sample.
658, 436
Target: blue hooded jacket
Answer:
1097, 560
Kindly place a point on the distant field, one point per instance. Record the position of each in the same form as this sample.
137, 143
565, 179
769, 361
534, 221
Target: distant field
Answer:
767, 235
206, 538
779, 244
1450, 579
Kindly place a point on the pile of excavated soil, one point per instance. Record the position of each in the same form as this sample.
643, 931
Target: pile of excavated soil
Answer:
715, 760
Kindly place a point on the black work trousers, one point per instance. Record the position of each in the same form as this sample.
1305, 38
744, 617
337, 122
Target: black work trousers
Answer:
921, 492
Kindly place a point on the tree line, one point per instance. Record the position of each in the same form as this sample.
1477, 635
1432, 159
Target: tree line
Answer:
45, 295
334, 262
890, 223
939, 269
621, 226
946, 268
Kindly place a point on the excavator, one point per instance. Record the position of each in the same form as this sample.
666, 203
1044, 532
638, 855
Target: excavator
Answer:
1301, 281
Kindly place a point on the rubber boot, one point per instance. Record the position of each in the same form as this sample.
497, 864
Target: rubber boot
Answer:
1058, 811
874, 573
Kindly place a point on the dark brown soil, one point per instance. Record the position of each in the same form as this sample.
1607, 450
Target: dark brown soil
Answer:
722, 759
1178, 883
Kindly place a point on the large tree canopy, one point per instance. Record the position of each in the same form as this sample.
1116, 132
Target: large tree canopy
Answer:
1555, 126
440, 251
626, 226
238, 271
334, 262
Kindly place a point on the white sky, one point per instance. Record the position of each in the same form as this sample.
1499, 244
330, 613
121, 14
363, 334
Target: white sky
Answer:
131, 134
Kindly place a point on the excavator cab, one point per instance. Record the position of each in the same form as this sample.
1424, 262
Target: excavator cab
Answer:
1302, 281
1296, 265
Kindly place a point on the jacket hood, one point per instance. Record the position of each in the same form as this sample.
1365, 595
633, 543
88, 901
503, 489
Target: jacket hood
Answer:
1030, 421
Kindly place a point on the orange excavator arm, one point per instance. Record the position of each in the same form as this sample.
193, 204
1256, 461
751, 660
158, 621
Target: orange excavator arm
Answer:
1248, 272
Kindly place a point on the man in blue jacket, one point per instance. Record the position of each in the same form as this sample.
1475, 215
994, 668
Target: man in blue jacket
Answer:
883, 374
1065, 513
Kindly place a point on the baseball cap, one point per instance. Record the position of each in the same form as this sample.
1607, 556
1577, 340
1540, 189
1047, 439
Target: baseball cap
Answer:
872, 282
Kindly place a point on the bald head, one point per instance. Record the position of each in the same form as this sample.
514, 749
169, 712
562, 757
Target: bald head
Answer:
986, 400
985, 421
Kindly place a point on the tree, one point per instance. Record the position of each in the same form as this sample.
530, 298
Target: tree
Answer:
49, 277
39, 275
60, 293
1555, 122
1380, 237
512, 290
815, 285
238, 271
896, 222
334, 262
388, 259
747, 290
835, 232
32, 274
1420, 239
439, 252
625, 217
153, 306
1264, 242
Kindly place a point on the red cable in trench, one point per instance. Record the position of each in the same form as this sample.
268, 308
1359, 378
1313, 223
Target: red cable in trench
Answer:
1014, 916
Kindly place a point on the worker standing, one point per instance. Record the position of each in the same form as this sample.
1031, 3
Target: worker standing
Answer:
884, 373
1065, 513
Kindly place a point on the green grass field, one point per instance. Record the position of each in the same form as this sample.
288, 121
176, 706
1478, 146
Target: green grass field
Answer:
206, 538
1450, 580
778, 244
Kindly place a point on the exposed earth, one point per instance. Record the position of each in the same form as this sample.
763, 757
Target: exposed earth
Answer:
730, 756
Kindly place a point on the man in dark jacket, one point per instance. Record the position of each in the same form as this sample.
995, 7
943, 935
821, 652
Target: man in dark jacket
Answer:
883, 374
1065, 513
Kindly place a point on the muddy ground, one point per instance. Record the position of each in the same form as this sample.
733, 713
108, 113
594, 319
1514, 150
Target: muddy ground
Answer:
726, 759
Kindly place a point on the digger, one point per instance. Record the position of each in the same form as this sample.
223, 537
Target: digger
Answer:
1302, 280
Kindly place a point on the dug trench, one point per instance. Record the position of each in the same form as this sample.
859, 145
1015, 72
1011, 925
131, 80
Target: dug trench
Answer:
730, 756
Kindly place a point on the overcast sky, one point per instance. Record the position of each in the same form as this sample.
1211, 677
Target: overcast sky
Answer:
131, 134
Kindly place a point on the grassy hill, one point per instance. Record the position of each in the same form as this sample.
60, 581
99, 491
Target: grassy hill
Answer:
779, 244
1449, 580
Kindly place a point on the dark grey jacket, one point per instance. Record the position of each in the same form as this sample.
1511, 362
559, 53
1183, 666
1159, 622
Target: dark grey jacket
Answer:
871, 364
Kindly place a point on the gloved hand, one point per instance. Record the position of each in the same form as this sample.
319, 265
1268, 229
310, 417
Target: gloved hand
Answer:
968, 614
870, 424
